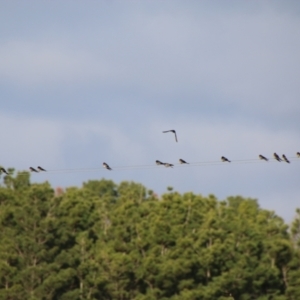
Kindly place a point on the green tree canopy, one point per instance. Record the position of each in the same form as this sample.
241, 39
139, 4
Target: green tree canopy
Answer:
121, 241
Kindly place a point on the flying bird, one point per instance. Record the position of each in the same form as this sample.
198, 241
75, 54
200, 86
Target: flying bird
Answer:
167, 165
262, 157
41, 169
285, 158
223, 158
182, 161
159, 162
276, 156
298, 154
3, 170
106, 166
172, 130
33, 170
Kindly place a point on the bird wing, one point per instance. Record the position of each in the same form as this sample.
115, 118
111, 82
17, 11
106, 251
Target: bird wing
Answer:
108, 167
263, 157
277, 157
175, 136
4, 171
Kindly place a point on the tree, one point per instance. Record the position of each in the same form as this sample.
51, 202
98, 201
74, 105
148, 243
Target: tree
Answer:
109, 241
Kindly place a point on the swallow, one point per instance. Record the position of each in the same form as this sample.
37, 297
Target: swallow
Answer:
3, 170
167, 165
106, 166
159, 162
182, 161
41, 169
172, 130
223, 158
33, 170
285, 158
276, 156
262, 157
298, 154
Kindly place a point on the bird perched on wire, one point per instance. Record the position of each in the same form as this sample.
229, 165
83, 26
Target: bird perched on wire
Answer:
262, 157
298, 154
158, 162
3, 170
276, 156
41, 169
33, 169
182, 161
223, 158
106, 166
172, 130
285, 158
167, 165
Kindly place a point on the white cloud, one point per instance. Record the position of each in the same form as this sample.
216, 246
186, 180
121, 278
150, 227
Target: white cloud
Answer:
207, 140
232, 56
29, 142
67, 144
52, 143
35, 63
247, 59
147, 62
108, 139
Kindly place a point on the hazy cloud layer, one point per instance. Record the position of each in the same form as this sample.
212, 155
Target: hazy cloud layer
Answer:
81, 147
83, 83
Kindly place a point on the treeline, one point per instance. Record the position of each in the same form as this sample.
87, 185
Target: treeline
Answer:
109, 241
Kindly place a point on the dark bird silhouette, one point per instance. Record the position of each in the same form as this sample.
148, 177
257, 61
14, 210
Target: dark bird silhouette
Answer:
182, 161
3, 170
41, 169
298, 154
172, 130
167, 165
159, 162
276, 156
223, 158
33, 169
285, 158
262, 157
106, 166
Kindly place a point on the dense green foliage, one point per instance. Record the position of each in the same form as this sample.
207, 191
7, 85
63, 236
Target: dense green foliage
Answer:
108, 241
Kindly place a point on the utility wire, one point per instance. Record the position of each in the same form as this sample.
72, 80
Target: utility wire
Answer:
154, 166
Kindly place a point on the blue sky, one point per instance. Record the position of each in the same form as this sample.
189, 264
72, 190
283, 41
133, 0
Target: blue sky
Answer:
82, 82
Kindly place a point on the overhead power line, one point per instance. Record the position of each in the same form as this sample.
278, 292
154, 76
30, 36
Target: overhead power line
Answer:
159, 167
